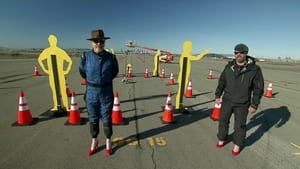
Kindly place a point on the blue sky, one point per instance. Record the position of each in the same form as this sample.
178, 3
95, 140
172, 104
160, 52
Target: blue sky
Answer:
270, 28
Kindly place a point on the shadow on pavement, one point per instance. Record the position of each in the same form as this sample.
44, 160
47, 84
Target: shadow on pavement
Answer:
265, 120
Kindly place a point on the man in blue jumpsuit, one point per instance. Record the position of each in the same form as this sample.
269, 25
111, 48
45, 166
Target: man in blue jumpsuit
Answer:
99, 68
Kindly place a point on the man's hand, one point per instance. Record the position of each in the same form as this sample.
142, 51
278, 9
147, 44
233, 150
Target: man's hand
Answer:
218, 101
251, 110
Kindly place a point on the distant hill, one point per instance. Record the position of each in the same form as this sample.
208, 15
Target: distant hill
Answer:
215, 55
3, 48
34, 52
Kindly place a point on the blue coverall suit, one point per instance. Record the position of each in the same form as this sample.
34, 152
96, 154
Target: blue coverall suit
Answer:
99, 70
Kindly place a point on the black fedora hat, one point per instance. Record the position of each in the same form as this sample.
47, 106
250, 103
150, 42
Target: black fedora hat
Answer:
97, 35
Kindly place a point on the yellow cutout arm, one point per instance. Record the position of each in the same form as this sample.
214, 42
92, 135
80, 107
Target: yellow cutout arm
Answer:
42, 57
200, 56
69, 61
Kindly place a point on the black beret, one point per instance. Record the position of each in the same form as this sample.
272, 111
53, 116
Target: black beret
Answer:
241, 48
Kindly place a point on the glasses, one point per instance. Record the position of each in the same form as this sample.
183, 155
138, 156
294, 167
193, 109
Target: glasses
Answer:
99, 41
239, 52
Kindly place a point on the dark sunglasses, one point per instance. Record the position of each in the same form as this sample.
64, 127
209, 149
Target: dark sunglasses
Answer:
239, 53
99, 41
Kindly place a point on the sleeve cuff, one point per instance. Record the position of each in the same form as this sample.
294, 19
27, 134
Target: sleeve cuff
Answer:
254, 106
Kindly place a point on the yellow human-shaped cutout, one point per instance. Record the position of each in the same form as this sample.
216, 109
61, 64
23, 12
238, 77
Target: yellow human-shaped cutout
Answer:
186, 53
156, 64
111, 50
45, 61
128, 67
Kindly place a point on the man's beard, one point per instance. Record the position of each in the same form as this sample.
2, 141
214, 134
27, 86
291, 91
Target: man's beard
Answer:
240, 59
98, 50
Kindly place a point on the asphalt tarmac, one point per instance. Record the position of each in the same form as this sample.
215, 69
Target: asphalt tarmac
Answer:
143, 141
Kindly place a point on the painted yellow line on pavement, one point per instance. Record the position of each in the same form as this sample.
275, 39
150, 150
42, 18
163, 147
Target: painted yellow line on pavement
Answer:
295, 145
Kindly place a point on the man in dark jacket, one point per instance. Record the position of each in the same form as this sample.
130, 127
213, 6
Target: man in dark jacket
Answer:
99, 68
240, 88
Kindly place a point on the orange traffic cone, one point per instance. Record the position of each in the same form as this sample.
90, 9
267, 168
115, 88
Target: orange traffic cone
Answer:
215, 115
36, 72
189, 92
74, 113
129, 73
116, 112
162, 75
146, 74
168, 112
24, 114
171, 80
83, 82
67, 88
210, 76
268, 92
